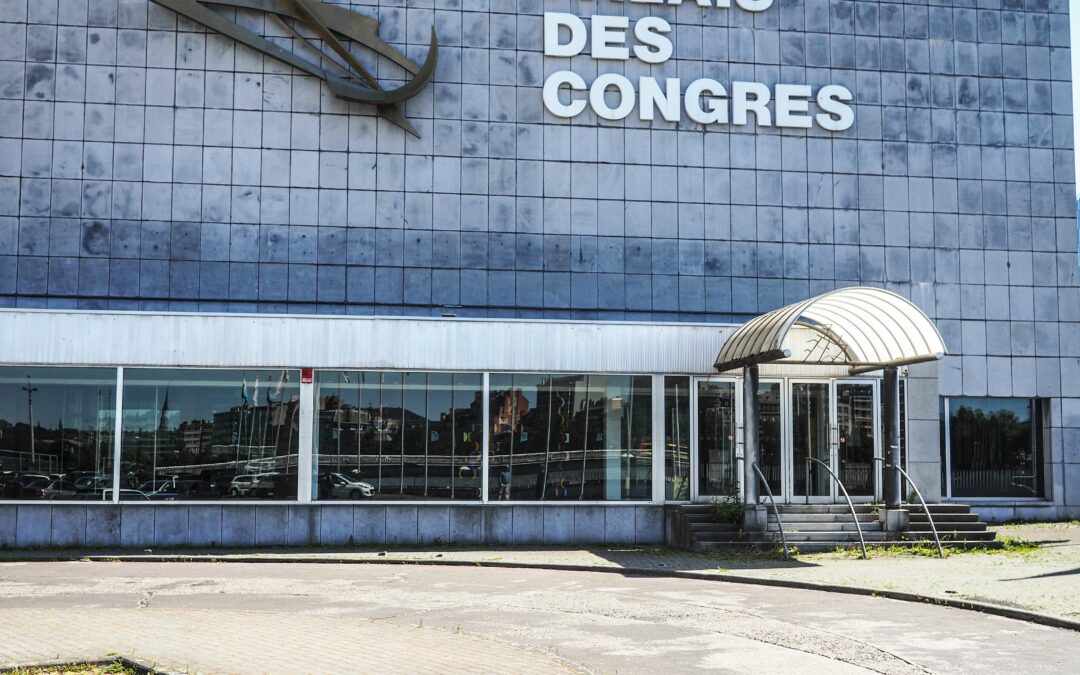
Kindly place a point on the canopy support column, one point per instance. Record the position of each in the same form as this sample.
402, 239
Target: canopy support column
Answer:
890, 392
755, 517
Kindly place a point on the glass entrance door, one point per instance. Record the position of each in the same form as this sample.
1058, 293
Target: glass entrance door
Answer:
811, 438
856, 426
716, 428
834, 422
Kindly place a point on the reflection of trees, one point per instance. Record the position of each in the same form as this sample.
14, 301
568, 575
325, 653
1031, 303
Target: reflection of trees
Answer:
573, 436
996, 440
993, 453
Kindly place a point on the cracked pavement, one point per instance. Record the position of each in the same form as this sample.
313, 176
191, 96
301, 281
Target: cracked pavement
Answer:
270, 617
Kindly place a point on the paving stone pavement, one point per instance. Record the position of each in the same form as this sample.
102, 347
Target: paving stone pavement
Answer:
209, 641
1043, 581
330, 618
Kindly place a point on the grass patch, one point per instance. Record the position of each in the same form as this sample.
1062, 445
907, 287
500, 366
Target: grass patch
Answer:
1041, 524
114, 668
927, 549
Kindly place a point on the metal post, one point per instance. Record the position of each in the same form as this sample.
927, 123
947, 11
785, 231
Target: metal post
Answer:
30, 389
751, 451
890, 391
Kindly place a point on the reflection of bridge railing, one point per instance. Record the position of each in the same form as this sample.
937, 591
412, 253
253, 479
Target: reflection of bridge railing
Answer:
23, 460
1005, 482
242, 466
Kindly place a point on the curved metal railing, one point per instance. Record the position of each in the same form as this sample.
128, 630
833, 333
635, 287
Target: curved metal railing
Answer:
772, 500
918, 493
851, 505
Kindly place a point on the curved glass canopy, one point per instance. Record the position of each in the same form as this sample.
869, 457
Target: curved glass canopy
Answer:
862, 327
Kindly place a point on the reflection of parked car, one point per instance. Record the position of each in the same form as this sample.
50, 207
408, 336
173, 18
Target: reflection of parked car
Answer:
125, 495
186, 489
93, 483
241, 486
155, 485
62, 488
264, 484
347, 487
35, 489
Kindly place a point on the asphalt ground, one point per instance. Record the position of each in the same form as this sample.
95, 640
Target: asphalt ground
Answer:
272, 617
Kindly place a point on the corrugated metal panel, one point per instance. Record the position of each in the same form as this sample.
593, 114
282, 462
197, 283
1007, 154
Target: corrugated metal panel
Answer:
143, 339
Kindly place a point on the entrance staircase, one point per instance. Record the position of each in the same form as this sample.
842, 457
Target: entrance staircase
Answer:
824, 527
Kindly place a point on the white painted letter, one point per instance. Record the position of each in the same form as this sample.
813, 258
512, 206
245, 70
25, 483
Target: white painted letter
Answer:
754, 5
750, 97
626, 94
553, 21
792, 104
837, 116
609, 37
716, 107
551, 94
652, 32
653, 98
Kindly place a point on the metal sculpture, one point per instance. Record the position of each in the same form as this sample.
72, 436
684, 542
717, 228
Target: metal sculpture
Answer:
328, 22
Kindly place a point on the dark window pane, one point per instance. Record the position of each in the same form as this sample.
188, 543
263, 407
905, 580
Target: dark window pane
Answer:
677, 438
392, 435
996, 447
571, 437
769, 433
56, 432
210, 434
716, 439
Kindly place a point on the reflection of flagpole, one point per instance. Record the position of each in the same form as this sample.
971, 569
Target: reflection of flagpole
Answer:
585, 441
547, 441
254, 415
97, 435
153, 473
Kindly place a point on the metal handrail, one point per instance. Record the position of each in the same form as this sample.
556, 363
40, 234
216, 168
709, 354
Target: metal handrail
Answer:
918, 493
772, 500
851, 505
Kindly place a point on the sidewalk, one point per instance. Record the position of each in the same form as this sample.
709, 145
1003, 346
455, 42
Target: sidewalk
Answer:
1043, 580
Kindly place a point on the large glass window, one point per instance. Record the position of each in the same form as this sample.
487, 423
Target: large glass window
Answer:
994, 446
716, 439
677, 438
392, 435
770, 429
56, 432
571, 437
210, 434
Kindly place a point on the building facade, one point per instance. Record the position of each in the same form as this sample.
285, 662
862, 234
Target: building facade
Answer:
488, 309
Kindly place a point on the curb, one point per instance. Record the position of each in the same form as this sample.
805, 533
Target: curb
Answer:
955, 603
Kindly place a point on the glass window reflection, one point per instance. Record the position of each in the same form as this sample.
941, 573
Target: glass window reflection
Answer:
677, 438
570, 437
392, 435
209, 434
56, 432
996, 446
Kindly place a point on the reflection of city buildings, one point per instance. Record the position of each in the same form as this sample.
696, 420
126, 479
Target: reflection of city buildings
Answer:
422, 449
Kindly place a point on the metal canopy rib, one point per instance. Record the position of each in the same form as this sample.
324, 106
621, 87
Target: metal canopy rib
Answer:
874, 328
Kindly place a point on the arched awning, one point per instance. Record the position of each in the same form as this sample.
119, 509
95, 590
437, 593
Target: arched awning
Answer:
861, 327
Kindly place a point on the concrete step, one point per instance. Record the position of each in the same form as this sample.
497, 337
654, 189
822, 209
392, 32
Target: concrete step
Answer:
920, 517
710, 537
823, 509
794, 537
822, 517
940, 508
945, 527
711, 527
699, 517
826, 527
